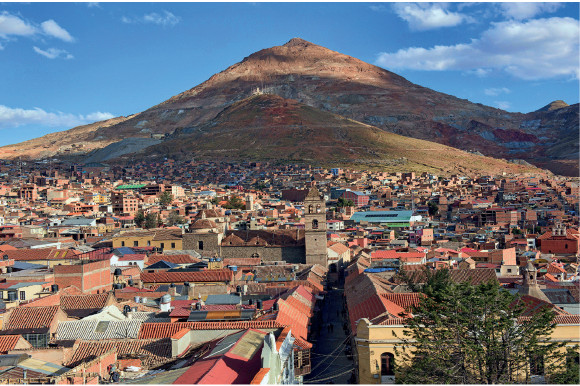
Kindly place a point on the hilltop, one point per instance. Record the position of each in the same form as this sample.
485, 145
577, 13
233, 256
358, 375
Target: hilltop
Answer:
340, 84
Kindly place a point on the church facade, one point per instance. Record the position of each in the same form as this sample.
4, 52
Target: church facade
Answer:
295, 246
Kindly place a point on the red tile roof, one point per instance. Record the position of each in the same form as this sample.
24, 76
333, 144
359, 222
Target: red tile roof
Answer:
175, 259
258, 378
166, 330
152, 350
215, 275
76, 302
31, 319
8, 342
41, 254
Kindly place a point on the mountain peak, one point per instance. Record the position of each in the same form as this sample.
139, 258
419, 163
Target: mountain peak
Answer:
554, 106
295, 42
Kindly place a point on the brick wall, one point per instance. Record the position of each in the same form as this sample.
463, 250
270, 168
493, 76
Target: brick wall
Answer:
90, 278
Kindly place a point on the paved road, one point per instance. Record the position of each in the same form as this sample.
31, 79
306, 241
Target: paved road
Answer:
328, 358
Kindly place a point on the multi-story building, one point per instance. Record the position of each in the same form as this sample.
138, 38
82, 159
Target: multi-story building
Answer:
124, 203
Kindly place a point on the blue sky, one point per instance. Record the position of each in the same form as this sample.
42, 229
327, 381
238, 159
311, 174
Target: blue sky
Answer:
66, 64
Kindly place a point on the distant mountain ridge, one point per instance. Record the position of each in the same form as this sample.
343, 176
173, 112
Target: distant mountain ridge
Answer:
339, 84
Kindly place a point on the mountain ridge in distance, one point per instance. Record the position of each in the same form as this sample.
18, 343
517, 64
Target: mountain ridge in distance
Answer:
342, 85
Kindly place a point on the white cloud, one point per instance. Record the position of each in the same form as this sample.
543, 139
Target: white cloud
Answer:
537, 49
479, 72
53, 53
97, 116
496, 91
167, 19
502, 105
93, 4
11, 118
13, 25
50, 27
378, 8
521, 11
425, 16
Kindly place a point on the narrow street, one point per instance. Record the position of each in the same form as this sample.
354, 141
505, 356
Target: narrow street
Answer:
329, 361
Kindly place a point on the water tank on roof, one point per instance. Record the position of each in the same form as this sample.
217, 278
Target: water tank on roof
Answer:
238, 289
137, 299
134, 309
172, 285
54, 288
259, 304
166, 299
131, 282
118, 272
5, 257
211, 260
198, 306
126, 309
251, 302
117, 286
9, 269
186, 284
275, 306
218, 259
144, 300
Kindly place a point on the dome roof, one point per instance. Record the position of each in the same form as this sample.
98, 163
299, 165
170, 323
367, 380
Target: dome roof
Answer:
204, 224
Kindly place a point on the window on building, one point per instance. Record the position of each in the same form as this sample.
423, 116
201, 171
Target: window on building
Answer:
135, 243
148, 243
37, 340
1, 294
200, 245
162, 245
387, 363
172, 245
22, 295
314, 224
122, 243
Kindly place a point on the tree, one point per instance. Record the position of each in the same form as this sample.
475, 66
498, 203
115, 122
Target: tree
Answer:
166, 198
433, 208
464, 333
174, 219
570, 373
516, 231
235, 203
139, 219
342, 202
150, 221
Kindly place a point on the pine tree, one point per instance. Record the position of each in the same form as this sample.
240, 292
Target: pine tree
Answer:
464, 333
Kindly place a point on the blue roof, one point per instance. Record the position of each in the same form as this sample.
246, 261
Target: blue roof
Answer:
125, 251
377, 270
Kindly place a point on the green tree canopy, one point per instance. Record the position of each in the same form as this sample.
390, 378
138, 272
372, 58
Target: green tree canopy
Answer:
433, 208
139, 219
342, 202
174, 219
464, 333
166, 198
150, 221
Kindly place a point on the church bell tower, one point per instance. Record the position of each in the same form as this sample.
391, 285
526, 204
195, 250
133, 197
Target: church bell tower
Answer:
315, 228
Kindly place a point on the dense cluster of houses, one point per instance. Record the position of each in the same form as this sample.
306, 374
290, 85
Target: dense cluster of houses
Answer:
228, 283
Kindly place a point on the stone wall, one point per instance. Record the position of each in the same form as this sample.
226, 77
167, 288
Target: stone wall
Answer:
290, 254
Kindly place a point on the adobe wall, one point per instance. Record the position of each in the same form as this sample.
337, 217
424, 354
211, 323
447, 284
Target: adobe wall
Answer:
211, 241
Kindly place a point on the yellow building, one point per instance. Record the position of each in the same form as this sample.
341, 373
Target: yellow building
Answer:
166, 239
375, 345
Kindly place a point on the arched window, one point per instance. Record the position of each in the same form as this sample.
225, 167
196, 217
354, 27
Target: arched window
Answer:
310, 209
200, 245
387, 363
318, 208
566, 246
314, 224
